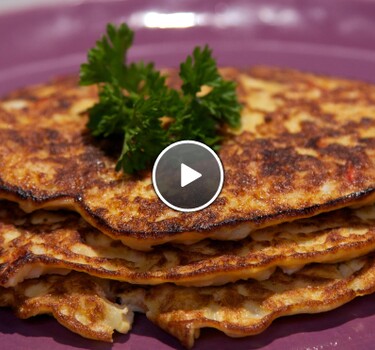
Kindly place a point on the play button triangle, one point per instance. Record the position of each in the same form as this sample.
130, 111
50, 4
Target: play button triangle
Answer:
188, 175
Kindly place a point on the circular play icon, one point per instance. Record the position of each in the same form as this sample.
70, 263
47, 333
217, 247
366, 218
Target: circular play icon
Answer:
188, 176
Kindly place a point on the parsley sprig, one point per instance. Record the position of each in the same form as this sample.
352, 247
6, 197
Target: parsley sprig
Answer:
134, 98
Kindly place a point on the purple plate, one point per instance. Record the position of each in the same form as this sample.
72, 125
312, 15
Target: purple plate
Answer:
335, 37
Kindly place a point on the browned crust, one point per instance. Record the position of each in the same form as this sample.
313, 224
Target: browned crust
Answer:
237, 309
366, 196
182, 312
299, 135
78, 302
69, 243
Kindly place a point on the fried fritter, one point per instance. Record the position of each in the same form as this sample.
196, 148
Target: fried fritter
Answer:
306, 146
57, 242
79, 302
86, 304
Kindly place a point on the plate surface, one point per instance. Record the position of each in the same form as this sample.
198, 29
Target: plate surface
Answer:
335, 37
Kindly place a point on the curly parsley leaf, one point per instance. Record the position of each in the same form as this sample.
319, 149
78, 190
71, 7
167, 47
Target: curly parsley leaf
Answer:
136, 103
198, 70
106, 60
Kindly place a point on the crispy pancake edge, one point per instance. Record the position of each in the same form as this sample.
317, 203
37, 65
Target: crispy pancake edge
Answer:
237, 309
46, 242
188, 229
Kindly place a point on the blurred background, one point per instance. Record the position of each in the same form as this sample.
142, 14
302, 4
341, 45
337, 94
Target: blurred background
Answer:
44, 38
6, 5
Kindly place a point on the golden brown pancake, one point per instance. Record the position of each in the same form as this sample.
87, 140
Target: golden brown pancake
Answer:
79, 302
57, 242
306, 146
86, 305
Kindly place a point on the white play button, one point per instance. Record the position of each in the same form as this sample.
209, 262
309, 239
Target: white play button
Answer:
188, 175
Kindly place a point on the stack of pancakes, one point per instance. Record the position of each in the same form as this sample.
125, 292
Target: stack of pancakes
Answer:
293, 230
